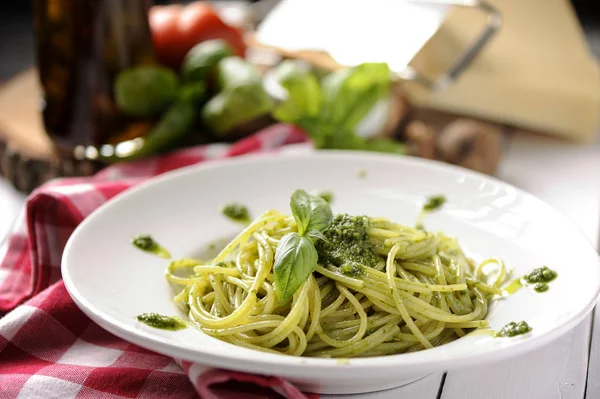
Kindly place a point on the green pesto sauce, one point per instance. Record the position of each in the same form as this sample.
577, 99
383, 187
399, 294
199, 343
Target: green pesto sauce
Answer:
353, 269
540, 275
163, 322
236, 212
146, 243
434, 202
326, 195
513, 329
347, 242
541, 287
514, 286
226, 264
370, 331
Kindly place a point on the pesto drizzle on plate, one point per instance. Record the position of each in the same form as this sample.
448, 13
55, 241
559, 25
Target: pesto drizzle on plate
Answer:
171, 323
540, 277
513, 329
432, 204
146, 243
236, 212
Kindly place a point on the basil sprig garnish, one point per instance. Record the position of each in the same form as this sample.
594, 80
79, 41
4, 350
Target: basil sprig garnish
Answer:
310, 211
296, 256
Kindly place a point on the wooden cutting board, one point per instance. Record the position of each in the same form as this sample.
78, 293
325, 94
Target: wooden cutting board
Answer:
27, 156
537, 72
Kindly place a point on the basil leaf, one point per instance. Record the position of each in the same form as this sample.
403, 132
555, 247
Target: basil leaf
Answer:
295, 259
350, 94
316, 235
310, 211
303, 92
234, 106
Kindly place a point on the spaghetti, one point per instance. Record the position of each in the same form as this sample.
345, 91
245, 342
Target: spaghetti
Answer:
420, 292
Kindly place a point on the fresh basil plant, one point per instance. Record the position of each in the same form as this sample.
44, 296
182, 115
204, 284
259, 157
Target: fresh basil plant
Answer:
331, 110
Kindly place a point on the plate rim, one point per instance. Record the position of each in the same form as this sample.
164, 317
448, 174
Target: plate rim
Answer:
299, 365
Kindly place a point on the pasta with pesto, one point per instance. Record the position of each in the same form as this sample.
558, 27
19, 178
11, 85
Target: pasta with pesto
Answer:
378, 288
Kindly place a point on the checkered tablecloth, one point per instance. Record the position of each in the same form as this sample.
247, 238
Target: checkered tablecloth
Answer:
50, 349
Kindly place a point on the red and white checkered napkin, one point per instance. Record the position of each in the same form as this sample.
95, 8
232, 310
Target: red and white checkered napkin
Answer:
50, 349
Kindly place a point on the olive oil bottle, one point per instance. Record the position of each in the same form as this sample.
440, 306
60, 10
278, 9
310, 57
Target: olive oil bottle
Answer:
81, 46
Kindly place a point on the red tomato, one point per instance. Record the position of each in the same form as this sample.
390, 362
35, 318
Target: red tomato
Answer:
176, 29
165, 33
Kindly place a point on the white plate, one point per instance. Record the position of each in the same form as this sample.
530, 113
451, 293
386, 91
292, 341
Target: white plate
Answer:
112, 282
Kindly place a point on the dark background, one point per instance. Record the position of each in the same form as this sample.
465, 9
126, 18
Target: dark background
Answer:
16, 36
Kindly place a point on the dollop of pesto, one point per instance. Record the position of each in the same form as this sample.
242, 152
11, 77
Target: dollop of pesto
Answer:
156, 320
434, 202
146, 243
541, 287
225, 264
347, 243
236, 212
353, 269
513, 329
540, 275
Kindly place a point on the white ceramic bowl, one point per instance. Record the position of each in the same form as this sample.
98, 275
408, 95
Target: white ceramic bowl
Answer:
112, 282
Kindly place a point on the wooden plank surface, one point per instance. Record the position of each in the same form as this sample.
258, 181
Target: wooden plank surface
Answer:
554, 371
566, 176
424, 388
20, 120
592, 389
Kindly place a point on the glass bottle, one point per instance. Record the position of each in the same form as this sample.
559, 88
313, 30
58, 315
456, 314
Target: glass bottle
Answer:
81, 46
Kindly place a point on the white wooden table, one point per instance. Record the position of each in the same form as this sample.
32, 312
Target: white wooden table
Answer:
568, 177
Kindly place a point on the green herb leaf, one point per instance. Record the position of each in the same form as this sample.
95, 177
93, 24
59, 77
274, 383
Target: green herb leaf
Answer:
331, 113
316, 235
234, 106
350, 94
310, 211
295, 259
303, 92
